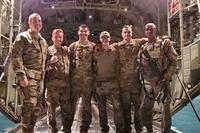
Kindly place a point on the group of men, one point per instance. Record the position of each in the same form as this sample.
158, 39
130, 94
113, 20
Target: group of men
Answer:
118, 73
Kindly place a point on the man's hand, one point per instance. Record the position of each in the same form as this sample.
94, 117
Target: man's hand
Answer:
145, 62
54, 59
167, 43
24, 82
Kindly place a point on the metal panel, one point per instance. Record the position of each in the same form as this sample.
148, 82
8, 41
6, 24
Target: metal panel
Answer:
186, 65
195, 63
191, 63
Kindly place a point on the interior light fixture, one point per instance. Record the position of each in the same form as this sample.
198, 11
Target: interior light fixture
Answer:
90, 16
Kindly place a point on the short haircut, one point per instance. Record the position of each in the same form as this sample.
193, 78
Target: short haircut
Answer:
83, 26
32, 16
104, 33
150, 25
55, 31
127, 26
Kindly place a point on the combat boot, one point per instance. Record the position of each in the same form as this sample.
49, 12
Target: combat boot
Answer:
24, 130
53, 130
86, 131
83, 130
168, 131
105, 129
67, 131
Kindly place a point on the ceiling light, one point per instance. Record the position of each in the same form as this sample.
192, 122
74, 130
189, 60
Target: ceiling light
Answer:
90, 16
52, 6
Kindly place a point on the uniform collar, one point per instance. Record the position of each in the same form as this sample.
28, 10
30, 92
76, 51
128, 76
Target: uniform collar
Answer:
32, 36
84, 44
125, 42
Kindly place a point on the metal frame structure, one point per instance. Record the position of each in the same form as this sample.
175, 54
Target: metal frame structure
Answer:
193, 90
10, 4
74, 4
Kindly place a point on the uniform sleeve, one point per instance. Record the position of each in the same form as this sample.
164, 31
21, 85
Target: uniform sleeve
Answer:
17, 56
48, 62
71, 50
115, 45
117, 56
117, 64
172, 58
94, 62
141, 41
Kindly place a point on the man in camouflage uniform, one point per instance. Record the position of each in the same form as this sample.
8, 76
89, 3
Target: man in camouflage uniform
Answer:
130, 86
107, 67
28, 58
57, 79
82, 76
158, 63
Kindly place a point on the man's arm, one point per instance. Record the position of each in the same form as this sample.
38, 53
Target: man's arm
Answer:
140, 41
17, 60
51, 59
117, 67
71, 52
172, 58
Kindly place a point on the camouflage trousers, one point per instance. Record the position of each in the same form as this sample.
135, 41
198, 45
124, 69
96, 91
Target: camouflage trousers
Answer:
127, 100
56, 96
31, 105
151, 92
79, 89
109, 91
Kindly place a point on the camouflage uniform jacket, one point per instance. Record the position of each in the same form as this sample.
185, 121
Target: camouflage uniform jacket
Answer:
81, 59
166, 60
58, 71
128, 73
29, 56
106, 63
